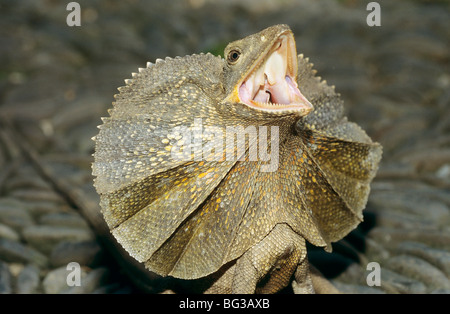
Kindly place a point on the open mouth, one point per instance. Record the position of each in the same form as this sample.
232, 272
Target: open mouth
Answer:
271, 85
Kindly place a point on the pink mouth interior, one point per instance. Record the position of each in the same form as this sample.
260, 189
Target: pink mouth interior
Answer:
272, 86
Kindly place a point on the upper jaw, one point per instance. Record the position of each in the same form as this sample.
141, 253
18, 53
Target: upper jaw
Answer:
270, 86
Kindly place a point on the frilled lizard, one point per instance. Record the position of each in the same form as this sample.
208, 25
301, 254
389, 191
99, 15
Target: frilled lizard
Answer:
188, 202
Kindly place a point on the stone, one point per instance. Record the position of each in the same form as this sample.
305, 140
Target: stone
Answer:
56, 280
89, 283
356, 289
7, 232
441, 291
44, 237
389, 237
14, 214
86, 253
5, 279
393, 282
354, 273
416, 268
28, 280
16, 252
26, 182
438, 258
32, 195
63, 219
40, 208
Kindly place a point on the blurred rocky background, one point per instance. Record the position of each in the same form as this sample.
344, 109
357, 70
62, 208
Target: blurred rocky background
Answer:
57, 81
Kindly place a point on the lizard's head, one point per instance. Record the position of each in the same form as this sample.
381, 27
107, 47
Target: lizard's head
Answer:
261, 73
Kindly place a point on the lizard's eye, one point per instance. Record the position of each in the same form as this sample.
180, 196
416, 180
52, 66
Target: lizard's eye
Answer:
233, 56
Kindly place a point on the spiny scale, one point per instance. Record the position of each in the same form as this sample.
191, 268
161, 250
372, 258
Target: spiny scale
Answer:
188, 218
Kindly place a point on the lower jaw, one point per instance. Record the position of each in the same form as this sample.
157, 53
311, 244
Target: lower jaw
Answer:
272, 106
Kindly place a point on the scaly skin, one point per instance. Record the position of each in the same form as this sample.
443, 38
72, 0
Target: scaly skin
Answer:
237, 217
